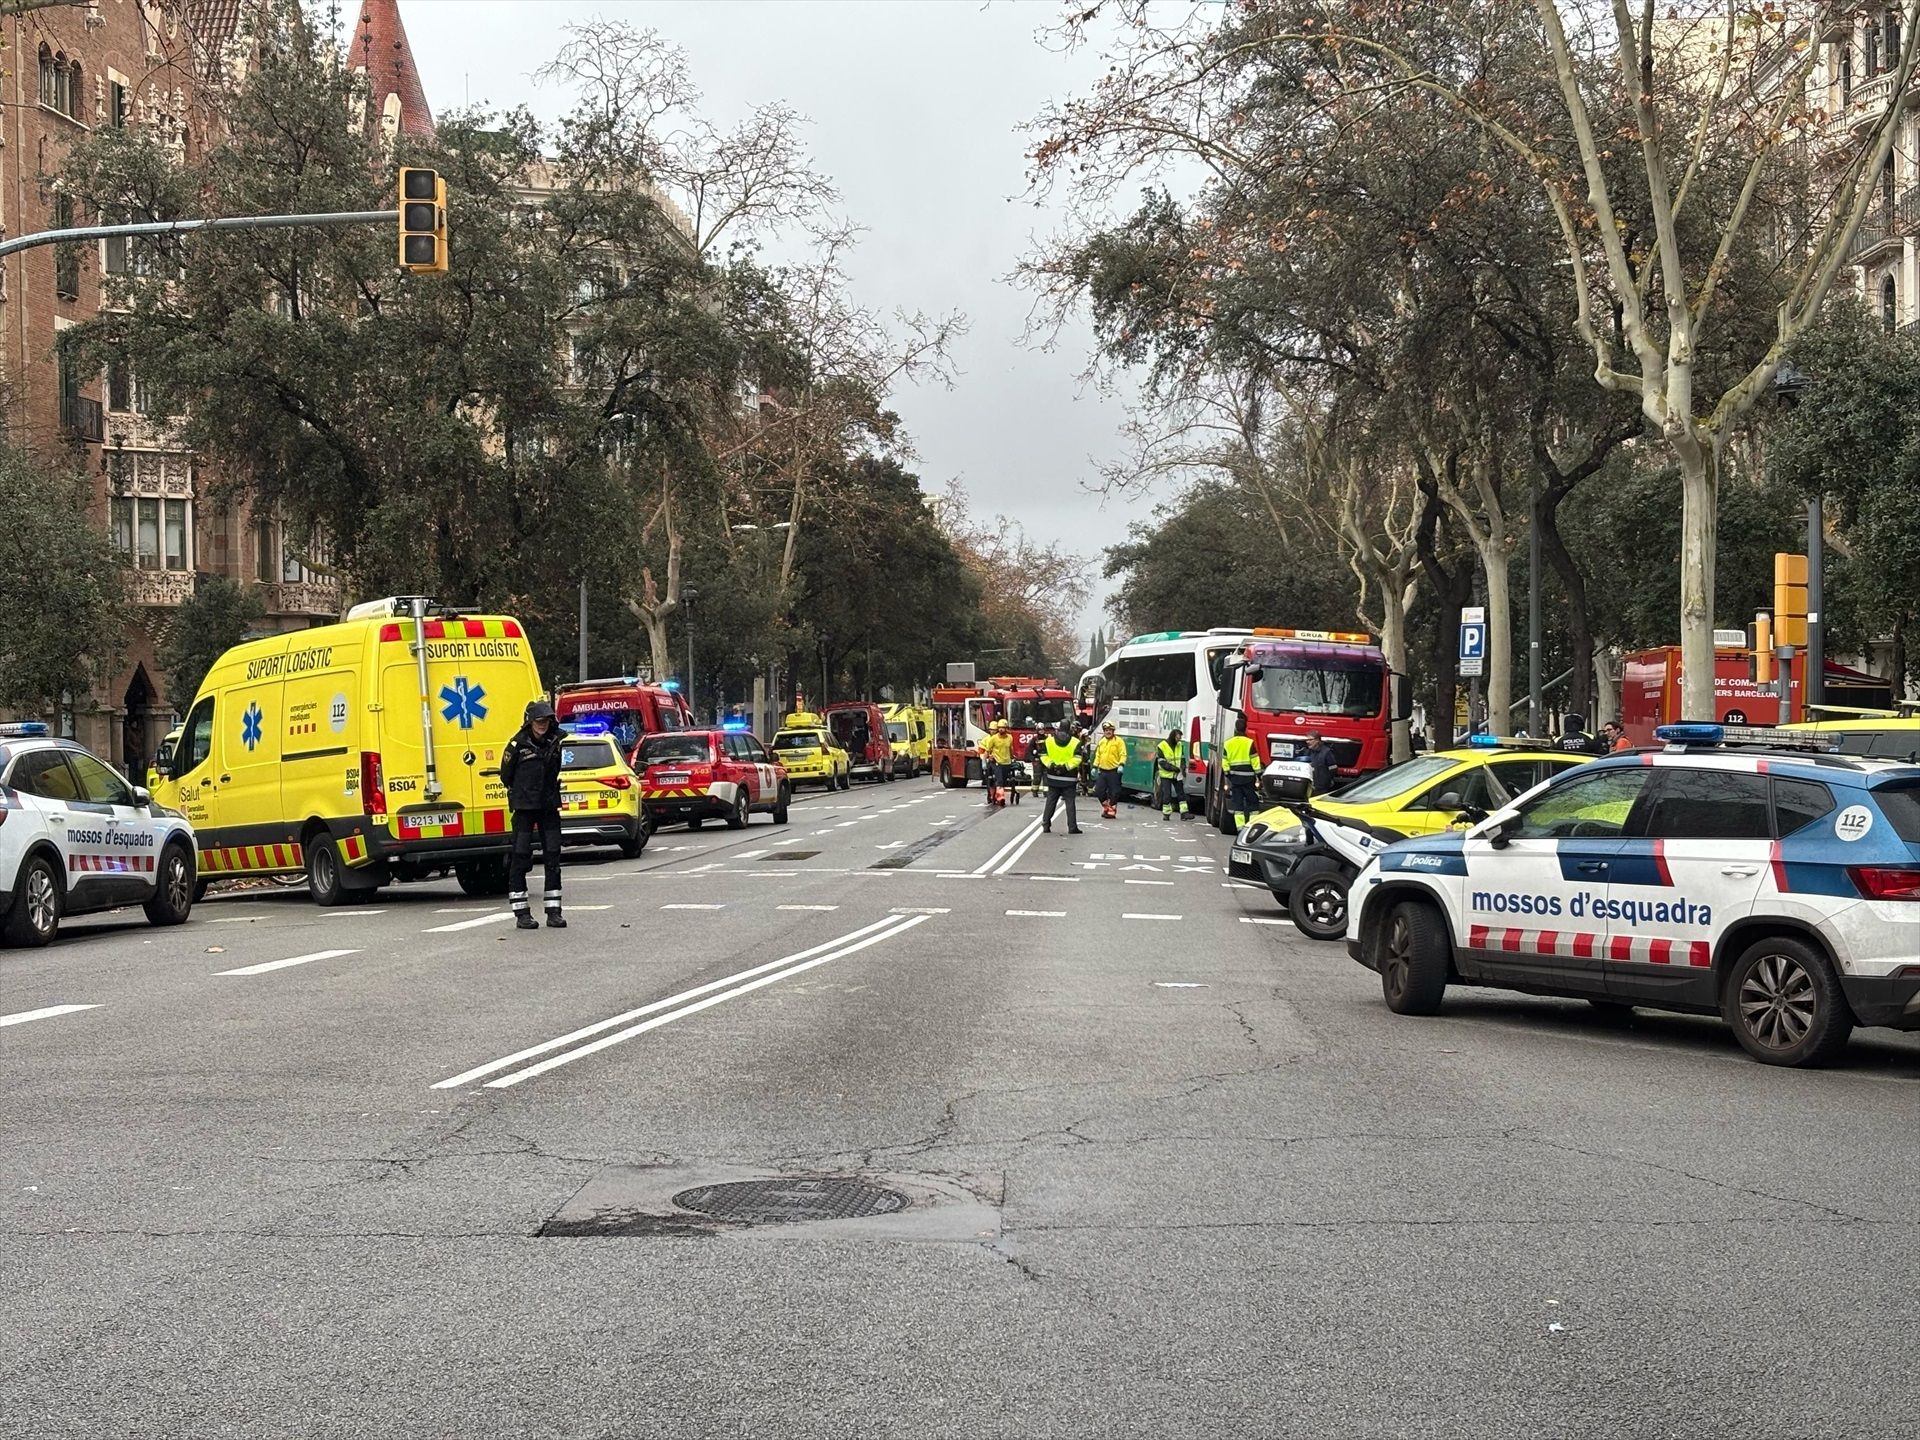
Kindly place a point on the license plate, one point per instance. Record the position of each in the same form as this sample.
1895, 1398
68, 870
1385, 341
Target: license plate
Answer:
1284, 750
1245, 857
432, 818
668, 779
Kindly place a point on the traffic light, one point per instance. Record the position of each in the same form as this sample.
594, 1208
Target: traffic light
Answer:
423, 221
1760, 642
1790, 600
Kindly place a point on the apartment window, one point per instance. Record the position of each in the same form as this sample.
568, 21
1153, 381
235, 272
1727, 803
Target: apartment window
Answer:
118, 108
119, 386
1893, 40
1873, 51
294, 568
1889, 304
59, 82
66, 258
264, 568
1846, 72
152, 534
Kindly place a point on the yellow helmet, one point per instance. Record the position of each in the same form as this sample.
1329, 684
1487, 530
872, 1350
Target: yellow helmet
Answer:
1000, 725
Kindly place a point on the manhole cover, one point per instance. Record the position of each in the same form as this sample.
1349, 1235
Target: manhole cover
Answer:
789, 1201
793, 855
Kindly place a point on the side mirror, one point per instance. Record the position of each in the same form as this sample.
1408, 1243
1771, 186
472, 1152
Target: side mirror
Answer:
141, 797
1449, 800
1402, 697
1494, 828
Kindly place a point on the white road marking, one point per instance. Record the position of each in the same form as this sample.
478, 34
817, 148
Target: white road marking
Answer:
1146, 882
693, 907
806, 907
1040, 914
921, 910
493, 919
1057, 879
1264, 920
572, 906
768, 974
237, 919
267, 965
1240, 885
466, 910
45, 1013
1010, 851
348, 914
1179, 985
1130, 915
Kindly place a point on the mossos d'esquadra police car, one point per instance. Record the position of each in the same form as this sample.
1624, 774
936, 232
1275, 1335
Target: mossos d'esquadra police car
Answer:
75, 836
1744, 874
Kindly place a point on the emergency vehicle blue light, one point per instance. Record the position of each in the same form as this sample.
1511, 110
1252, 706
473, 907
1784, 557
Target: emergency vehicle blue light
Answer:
669, 684
1481, 740
23, 728
593, 725
1692, 732
736, 725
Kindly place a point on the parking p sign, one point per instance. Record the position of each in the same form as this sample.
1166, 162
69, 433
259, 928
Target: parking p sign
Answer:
1473, 640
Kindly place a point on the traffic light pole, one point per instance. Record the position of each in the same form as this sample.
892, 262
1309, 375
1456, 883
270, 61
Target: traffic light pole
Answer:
188, 227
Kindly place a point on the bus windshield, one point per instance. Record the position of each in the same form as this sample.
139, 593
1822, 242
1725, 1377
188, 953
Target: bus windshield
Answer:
1037, 713
1319, 687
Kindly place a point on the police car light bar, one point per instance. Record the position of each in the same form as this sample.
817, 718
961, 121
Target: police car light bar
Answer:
1690, 732
593, 725
1760, 737
22, 729
737, 726
1482, 741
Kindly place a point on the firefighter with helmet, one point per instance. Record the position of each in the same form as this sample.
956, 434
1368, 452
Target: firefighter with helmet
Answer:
996, 761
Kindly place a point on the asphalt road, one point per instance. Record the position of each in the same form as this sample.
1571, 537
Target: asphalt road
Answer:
1171, 1169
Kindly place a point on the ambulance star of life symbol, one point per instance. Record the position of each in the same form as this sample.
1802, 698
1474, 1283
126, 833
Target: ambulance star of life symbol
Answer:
463, 703
252, 726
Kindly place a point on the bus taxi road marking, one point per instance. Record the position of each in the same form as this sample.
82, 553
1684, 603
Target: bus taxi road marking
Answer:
1040, 914
693, 907
44, 1013
1057, 879
1264, 920
741, 982
494, 918
806, 907
750, 854
264, 966
1130, 915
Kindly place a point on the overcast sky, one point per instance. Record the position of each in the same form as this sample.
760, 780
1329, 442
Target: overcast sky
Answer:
915, 107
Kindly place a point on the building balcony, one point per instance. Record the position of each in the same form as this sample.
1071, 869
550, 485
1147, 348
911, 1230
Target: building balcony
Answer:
163, 588
312, 598
81, 419
1885, 224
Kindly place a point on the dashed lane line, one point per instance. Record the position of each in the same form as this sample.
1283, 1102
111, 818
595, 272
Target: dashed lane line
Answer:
1132, 915
493, 919
693, 907
806, 907
264, 966
1040, 914
1265, 920
46, 1012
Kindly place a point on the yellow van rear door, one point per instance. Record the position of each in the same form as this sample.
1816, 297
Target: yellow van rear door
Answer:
480, 677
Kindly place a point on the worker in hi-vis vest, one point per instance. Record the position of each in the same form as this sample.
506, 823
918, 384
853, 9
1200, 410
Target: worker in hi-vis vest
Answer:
1243, 774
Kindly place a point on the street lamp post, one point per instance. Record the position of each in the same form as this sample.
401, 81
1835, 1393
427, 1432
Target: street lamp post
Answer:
687, 597
763, 685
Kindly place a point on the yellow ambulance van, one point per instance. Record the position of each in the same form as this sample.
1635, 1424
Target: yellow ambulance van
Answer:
359, 753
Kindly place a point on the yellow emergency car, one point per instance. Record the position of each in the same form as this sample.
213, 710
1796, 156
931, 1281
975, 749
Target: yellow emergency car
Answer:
1423, 795
910, 733
810, 754
1873, 733
599, 792
359, 753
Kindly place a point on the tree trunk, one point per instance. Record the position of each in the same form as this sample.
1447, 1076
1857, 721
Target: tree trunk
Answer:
1699, 502
1393, 644
1897, 658
1546, 520
1452, 588
1494, 564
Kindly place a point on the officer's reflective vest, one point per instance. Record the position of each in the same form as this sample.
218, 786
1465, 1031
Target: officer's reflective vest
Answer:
1238, 755
1063, 761
1168, 765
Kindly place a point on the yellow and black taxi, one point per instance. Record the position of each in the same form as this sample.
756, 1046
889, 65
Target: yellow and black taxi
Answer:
810, 753
1422, 796
599, 792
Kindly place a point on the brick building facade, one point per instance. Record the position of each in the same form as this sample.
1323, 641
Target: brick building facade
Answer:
155, 64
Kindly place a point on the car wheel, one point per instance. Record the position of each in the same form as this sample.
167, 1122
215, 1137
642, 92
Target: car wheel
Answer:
780, 806
35, 918
173, 897
1611, 1009
1317, 903
737, 817
1785, 1005
326, 877
636, 842
1413, 954
481, 877
695, 823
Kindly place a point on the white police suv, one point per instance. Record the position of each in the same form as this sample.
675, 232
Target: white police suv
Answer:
1747, 874
75, 837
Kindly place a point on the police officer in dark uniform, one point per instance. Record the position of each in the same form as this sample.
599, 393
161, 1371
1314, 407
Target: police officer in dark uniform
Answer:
1574, 736
530, 769
1061, 755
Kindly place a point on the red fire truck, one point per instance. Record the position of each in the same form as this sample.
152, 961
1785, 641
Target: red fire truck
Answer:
1291, 683
632, 708
962, 713
1650, 691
